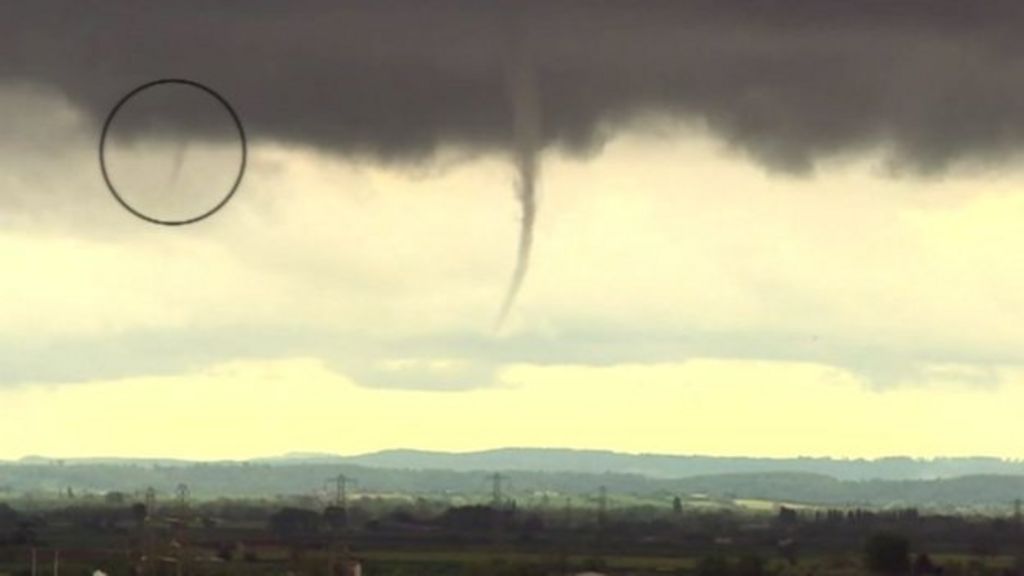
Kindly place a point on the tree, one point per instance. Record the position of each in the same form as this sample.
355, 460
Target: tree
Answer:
789, 550
139, 513
887, 553
114, 498
750, 565
787, 516
9, 518
336, 517
923, 564
295, 526
25, 535
294, 523
713, 565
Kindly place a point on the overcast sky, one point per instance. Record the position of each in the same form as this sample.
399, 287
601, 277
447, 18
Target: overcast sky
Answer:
788, 228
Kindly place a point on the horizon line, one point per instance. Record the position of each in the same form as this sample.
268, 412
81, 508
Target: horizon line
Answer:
299, 454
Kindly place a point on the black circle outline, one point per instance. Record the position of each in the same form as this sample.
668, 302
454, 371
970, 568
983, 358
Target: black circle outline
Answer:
185, 82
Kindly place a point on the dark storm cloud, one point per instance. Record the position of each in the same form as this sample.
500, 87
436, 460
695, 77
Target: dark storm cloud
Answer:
786, 82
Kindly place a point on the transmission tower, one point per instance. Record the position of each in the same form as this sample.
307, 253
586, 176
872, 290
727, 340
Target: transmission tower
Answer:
602, 520
497, 511
497, 497
183, 493
338, 537
341, 483
150, 500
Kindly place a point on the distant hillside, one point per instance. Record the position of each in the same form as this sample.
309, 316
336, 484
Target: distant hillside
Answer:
255, 480
668, 466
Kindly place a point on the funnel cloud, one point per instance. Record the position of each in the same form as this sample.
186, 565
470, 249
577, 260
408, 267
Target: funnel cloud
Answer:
527, 124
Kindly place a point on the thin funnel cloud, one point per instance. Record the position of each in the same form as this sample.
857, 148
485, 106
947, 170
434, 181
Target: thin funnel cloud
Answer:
177, 162
526, 116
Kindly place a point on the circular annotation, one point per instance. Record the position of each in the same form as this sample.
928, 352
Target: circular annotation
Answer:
182, 82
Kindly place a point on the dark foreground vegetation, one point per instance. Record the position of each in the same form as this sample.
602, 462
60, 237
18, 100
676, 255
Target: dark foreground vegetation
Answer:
119, 534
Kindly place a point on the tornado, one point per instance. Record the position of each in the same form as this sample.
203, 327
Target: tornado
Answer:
526, 124
177, 162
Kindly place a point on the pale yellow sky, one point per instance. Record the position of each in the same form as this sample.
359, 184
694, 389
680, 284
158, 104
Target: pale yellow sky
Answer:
258, 408
681, 300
